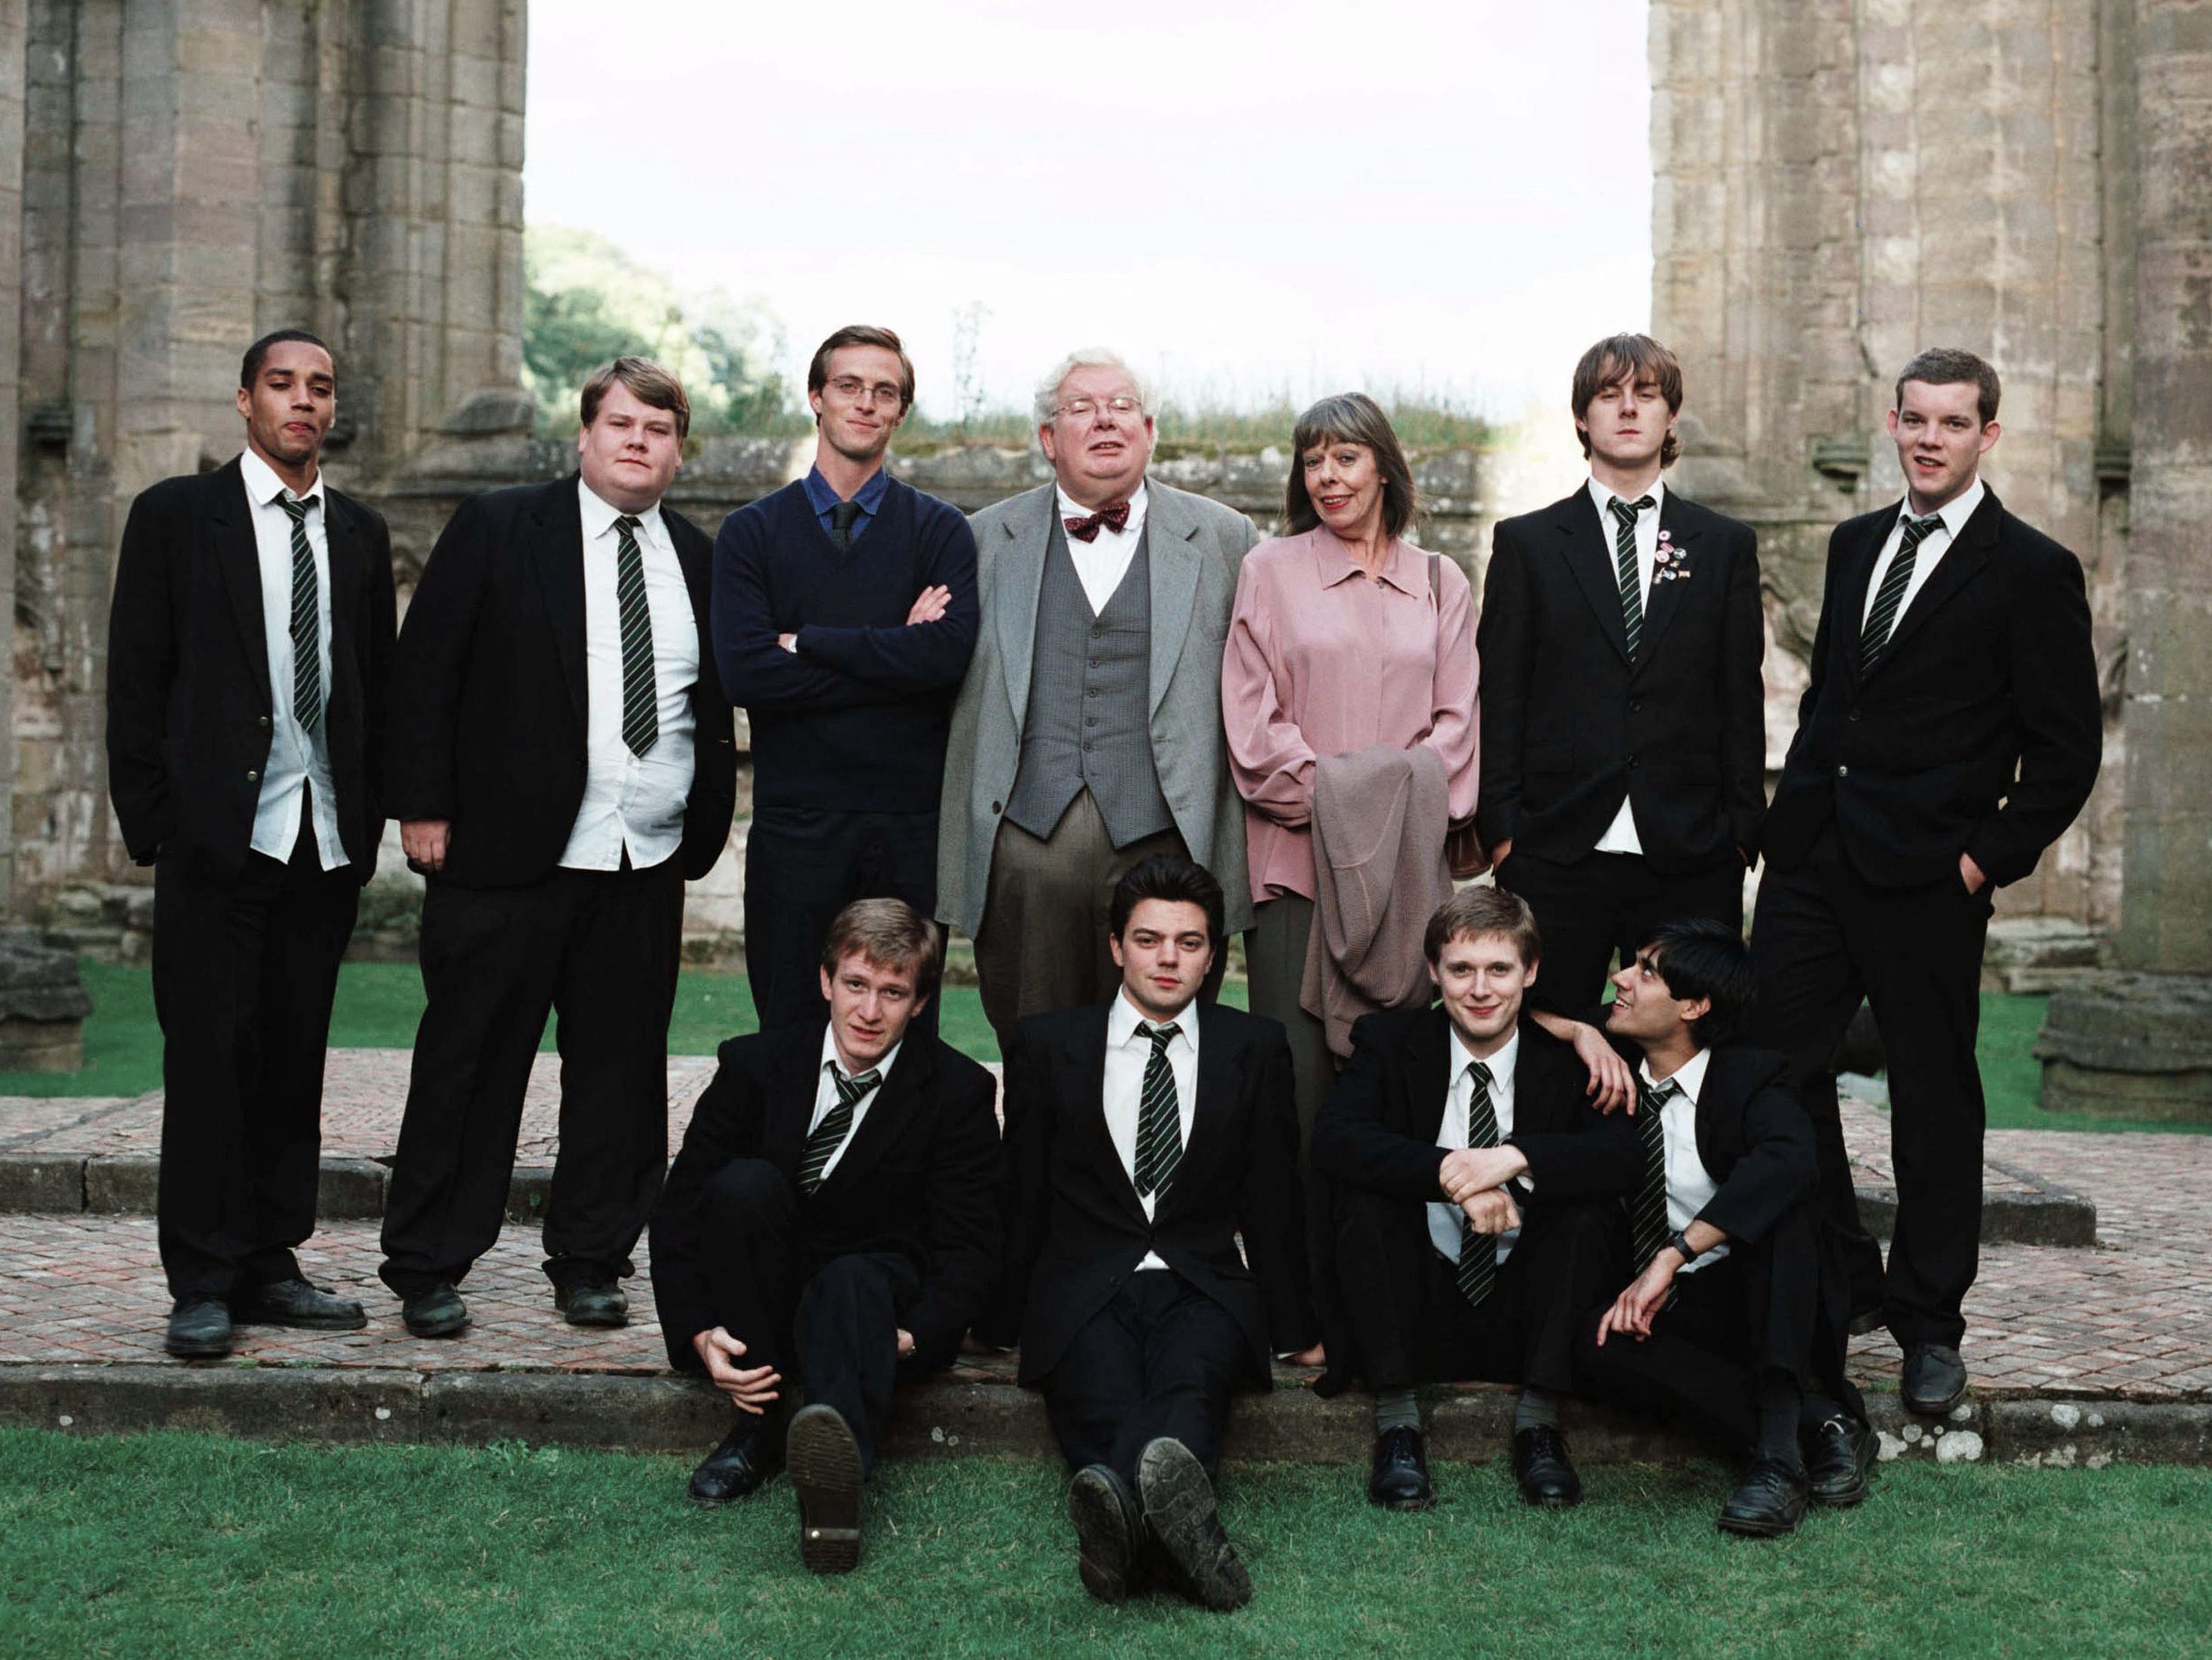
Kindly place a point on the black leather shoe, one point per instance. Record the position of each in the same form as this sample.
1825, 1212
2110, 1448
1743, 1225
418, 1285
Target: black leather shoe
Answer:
1769, 1503
749, 1455
1108, 1532
437, 1312
1180, 1511
1400, 1478
296, 1302
1838, 1456
1935, 1378
593, 1303
1541, 1466
199, 1329
824, 1461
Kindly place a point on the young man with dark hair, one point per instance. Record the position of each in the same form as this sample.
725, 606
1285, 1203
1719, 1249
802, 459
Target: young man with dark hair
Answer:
1950, 732
1723, 1319
561, 761
845, 610
1136, 1309
1624, 738
249, 657
834, 1215
1478, 1209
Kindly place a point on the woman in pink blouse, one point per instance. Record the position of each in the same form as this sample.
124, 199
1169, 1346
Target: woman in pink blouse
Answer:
1344, 636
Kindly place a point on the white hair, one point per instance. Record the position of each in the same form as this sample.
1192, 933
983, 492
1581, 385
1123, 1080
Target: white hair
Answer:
1088, 357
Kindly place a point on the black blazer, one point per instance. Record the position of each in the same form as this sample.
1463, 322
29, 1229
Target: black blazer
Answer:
1979, 729
1078, 1229
189, 707
1569, 722
921, 1178
1755, 1142
488, 716
1377, 1133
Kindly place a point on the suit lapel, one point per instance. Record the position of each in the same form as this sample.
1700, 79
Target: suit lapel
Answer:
889, 1113
1852, 591
1960, 560
1027, 533
556, 556
1084, 1057
1589, 554
343, 533
1212, 1111
789, 1110
238, 555
1666, 598
1428, 1074
1175, 572
697, 560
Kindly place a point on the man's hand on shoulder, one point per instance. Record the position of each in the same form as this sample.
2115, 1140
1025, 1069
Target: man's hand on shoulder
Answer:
1611, 1085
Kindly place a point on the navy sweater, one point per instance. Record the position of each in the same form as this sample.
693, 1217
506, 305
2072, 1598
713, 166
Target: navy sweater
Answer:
856, 719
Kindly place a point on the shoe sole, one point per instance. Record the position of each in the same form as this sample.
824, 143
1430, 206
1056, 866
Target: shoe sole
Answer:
300, 1323
1941, 1408
1746, 1528
206, 1349
1426, 1501
1106, 1548
823, 1461
443, 1326
1857, 1494
603, 1322
1180, 1509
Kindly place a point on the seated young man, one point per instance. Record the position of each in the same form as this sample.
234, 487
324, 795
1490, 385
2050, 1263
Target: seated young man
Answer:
1143, 1135
1478, 1199
835, 1213
1721, 1320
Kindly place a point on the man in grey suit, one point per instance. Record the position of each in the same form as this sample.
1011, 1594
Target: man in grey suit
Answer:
1087, 735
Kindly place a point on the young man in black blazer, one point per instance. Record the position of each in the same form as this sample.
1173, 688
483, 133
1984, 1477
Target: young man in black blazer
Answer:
249, 650
1479, 1211
1145, 1136
1950, 733
1720, 1321
1624, 739
561, 761
834, 1215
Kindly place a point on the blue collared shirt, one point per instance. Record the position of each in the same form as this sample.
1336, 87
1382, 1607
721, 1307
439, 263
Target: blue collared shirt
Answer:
869, 497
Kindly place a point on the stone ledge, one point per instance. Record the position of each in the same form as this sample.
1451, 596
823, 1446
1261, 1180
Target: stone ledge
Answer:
970, 1416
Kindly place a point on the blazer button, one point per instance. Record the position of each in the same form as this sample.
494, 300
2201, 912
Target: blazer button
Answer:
1636, 705
1632, 763
251, 776
1842, 771
998, 807
1855, 714
263, 721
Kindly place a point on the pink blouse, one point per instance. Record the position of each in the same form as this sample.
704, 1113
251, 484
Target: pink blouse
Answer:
1323, 660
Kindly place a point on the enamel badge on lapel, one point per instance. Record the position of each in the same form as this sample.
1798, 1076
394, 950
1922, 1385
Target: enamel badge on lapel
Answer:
1672, 564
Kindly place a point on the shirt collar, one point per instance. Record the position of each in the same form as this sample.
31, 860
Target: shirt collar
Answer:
1334, 563
1070, 508
1501, 1064
1956, 512
263, 487
1600, 494
831, 1058
870, 495
1122, 1021
1689, 1077
599, 516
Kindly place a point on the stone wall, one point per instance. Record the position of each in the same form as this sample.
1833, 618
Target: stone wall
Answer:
1839, 183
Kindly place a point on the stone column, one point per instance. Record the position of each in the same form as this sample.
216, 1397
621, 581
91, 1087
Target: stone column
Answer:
15, 20
2139, 1042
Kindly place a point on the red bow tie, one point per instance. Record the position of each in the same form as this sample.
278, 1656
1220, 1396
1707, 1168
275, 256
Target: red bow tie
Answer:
1113, 515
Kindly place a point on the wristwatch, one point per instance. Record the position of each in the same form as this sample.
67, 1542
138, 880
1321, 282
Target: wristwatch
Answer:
1680, 1240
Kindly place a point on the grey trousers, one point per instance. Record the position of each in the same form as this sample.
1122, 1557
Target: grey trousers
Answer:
1275, 961
1047, 916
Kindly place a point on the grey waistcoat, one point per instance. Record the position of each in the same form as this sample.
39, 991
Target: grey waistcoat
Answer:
1089, 725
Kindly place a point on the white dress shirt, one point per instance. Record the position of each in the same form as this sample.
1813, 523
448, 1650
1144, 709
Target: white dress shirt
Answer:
1955, 513
1620, 835
1690, 1185
299, 760
632, 803
1128, 1052
1444, 1217
1100, 564
825, 1091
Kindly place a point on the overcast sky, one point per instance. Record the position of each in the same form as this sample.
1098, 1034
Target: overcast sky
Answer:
1249, 201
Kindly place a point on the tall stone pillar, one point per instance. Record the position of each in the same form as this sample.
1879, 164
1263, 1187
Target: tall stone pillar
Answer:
2139, 1042
15, 21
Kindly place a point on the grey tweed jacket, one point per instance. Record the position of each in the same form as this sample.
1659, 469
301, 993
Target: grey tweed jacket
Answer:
1195, 546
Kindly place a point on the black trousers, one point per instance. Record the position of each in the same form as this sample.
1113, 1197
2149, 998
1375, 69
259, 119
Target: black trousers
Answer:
829, 1325
1740, 1332
803, 865
599, 949
1588, 909
1825, 938
1411, 1324
246, 969
1159, 1360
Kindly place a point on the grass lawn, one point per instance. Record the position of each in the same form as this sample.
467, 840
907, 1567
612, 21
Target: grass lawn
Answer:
170, 1545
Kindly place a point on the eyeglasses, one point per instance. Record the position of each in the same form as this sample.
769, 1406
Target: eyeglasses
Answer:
1082, 408
853, 391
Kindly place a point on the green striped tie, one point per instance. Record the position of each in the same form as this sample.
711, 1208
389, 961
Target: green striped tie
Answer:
1159, 1118
1478, 1252
836, 1124
306, 617
1624, 555
1890, 595
641, 726
1648, 1219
